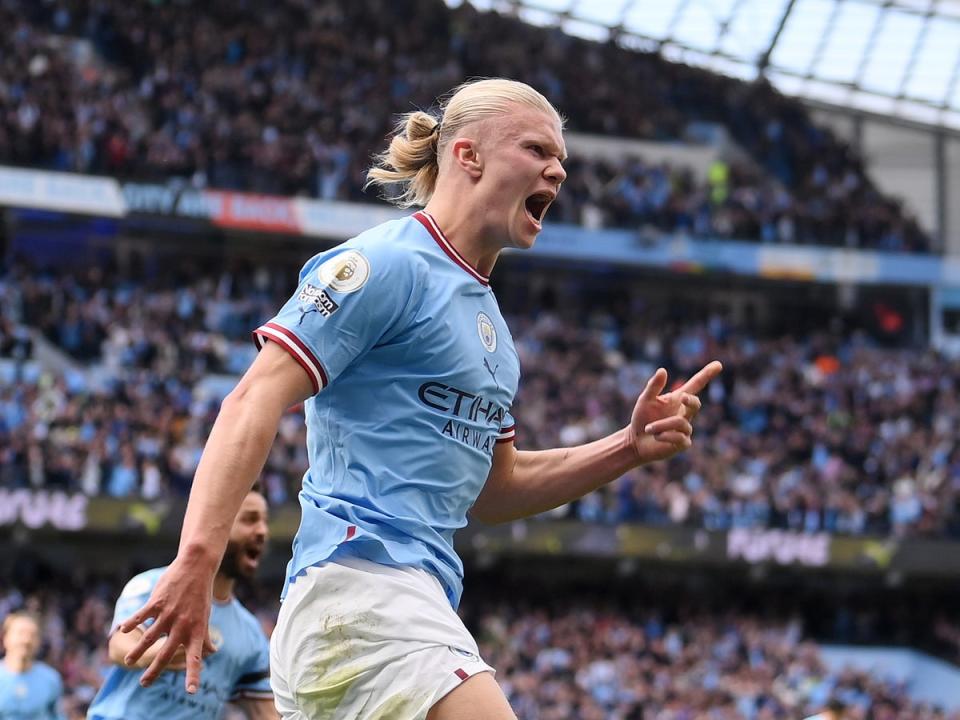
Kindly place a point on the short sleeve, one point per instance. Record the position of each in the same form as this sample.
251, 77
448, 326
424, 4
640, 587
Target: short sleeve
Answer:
347, 301
508, 429
254, 682
134, 596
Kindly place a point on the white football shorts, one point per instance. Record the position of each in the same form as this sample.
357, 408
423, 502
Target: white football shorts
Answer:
360, 641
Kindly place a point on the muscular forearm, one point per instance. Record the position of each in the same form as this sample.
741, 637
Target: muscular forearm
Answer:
536, 481
232, 459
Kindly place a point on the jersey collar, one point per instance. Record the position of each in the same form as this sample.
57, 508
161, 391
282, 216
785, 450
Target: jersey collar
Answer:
436, 233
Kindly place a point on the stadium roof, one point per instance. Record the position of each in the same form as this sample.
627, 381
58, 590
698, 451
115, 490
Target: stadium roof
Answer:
896, 58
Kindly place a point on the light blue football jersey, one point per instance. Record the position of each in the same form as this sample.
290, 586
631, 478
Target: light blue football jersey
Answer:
418, 372
240, 668
31, 695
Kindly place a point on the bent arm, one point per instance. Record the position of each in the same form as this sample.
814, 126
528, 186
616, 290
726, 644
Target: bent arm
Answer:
524, 483
122, 643
237, 449
521, 484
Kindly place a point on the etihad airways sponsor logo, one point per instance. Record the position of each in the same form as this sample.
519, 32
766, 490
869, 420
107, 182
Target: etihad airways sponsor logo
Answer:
462, 405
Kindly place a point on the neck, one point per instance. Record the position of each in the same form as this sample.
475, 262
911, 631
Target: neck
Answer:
222, 588
467, 228
17, 663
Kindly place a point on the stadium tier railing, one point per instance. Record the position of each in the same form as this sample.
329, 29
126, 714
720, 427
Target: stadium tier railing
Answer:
44, 513
334, 220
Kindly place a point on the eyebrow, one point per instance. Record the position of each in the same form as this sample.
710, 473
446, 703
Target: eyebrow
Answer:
559, 151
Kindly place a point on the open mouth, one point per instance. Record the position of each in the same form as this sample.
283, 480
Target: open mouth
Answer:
537, 205
253, 553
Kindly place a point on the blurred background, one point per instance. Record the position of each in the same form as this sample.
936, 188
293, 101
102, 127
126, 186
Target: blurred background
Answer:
772, 183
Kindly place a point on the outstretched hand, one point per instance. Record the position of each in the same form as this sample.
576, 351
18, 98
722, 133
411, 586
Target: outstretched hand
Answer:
180, 609
662, 424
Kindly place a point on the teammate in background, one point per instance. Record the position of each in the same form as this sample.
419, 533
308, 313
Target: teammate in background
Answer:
29, 689
396, 342
237, 668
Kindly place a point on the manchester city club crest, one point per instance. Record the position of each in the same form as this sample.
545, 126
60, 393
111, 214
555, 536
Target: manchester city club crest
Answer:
487, 332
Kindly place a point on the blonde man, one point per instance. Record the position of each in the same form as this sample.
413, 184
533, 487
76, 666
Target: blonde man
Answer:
29, 689
396, 342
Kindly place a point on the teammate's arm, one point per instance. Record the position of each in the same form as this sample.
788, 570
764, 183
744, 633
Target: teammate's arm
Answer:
524, 483
257, 708
121, 644
232, 459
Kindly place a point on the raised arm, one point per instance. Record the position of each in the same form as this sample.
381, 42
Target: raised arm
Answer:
524, 483
232, 460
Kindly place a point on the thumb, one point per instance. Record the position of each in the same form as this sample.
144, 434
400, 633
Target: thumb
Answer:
655, 385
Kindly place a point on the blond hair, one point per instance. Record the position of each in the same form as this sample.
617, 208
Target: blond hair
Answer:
412, 160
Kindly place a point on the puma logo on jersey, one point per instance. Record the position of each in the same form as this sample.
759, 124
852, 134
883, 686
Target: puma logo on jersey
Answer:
492, 371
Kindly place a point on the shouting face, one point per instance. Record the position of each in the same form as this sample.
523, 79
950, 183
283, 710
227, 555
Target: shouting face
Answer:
522, 155
248, 538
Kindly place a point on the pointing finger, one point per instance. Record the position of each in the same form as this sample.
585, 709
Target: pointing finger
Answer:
194, 662
699, 381
655, 385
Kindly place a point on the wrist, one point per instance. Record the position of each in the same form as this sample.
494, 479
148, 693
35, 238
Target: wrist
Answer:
199, 553
630, 447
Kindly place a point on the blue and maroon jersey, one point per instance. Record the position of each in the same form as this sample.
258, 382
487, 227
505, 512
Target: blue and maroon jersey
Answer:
414, 372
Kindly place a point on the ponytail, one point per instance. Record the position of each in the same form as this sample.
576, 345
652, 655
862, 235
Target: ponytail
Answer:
410, 161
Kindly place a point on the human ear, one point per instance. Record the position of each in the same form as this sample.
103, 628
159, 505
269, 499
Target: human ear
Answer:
467, 156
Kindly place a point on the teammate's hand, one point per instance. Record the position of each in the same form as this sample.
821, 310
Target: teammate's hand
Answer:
177, 662
180, 608
661, 425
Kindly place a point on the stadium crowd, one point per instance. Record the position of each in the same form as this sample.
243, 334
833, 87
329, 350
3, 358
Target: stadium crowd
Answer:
567, 659
811, 432
600, 664
293, 97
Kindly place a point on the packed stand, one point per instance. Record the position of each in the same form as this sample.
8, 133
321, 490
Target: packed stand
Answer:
603, 664
812, 434
566, 659
137, 425
294, 97
815, 432
733, 202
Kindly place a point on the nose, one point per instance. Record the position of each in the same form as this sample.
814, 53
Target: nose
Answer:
555, 172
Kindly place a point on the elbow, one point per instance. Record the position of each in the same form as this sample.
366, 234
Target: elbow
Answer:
242, 393
247, 401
